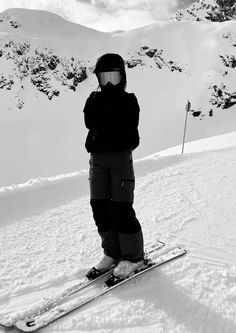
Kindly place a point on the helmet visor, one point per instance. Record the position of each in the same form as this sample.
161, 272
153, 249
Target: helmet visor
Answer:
113, 76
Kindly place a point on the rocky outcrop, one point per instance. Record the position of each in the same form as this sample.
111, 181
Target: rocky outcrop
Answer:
148, 56
6, 18
53, 75
208, 10
48, 73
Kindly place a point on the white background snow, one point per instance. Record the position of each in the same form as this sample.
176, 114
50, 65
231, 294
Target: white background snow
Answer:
48, 239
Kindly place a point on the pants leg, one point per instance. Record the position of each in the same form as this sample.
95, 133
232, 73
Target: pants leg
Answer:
112, 192
123, 215
99, 176
131, 246
102, 217
110, 243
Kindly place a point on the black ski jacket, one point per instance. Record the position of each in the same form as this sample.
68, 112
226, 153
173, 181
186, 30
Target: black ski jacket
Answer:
112, 121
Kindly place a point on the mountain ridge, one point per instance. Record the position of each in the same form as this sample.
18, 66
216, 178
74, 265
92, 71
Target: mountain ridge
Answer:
207, 10
20, 18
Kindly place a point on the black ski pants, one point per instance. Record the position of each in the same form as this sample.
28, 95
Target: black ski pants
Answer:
112, 184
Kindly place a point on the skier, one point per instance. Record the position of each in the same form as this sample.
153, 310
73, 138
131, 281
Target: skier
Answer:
112, 117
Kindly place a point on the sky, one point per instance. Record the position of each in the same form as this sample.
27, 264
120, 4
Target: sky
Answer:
105, 15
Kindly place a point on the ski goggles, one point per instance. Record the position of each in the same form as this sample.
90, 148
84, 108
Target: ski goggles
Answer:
113, 76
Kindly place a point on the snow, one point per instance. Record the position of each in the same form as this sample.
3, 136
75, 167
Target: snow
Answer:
47, 136
48, 239
50, 29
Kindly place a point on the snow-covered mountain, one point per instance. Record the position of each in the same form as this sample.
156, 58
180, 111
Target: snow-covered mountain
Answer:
46, 66
48, 239
208, 10
52, 63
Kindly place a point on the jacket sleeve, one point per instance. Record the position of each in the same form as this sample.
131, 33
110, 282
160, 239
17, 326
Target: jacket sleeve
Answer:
89, 113
135, 111
133, 122
132, 114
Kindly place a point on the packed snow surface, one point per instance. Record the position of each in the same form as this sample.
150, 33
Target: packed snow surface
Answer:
49, 241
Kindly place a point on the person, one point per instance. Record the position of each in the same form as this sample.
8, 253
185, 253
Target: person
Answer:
112, 116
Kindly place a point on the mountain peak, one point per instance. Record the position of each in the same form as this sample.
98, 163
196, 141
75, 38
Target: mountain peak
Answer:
208, 10
38, 23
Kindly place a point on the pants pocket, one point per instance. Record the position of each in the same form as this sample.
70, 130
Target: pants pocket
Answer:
123, 189
127, 183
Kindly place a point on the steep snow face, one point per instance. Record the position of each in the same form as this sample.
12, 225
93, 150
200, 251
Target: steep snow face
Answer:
45, 29
45, 79
205, 10
41, 23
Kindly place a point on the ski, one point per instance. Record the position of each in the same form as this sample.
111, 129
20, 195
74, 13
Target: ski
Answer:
85, 283
68, 305
150, 248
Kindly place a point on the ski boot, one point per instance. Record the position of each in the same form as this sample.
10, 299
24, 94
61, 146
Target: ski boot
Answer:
125, 269
103, 266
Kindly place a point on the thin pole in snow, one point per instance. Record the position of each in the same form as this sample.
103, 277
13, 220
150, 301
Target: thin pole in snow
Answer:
188, 107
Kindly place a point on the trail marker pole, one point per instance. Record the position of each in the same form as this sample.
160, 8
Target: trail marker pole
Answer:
188, 107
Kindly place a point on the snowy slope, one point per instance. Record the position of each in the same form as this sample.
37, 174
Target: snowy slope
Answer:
48, 241
46, 75
46, 29
47, 235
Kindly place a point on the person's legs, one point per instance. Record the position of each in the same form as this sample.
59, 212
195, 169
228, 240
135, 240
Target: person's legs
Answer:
129, 231
126, 224
100, 203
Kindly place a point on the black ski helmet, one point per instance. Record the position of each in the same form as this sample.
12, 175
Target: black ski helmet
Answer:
108, 62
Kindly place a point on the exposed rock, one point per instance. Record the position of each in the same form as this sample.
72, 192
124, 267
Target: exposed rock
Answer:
208, 10
156, 59
44, 68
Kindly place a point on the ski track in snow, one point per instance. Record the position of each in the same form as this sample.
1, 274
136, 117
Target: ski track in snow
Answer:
50, 241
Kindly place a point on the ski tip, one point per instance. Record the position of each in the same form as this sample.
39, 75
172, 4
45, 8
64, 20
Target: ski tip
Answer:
26, 325
182, 248
179, 247
155, 243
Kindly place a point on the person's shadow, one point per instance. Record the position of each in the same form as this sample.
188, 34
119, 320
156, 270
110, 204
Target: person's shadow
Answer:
188, 314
